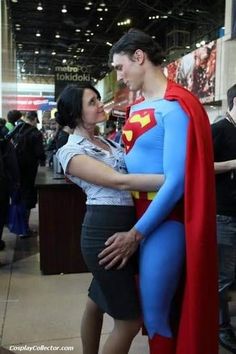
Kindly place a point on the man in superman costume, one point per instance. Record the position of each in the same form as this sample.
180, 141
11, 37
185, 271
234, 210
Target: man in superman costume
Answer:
168, 132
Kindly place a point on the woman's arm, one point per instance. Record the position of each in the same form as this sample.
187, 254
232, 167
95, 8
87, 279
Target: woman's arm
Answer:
96, 172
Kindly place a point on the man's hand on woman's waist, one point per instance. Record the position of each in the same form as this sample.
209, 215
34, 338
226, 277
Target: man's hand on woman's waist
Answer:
119, 248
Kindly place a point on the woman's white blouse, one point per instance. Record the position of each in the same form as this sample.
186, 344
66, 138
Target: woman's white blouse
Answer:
96, 195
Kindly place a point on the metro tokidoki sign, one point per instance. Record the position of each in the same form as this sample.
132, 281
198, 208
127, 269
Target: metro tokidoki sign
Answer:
65, 75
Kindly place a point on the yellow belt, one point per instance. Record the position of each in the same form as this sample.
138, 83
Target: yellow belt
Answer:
143, 195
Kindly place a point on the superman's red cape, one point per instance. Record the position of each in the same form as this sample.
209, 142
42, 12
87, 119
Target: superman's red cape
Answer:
198, 325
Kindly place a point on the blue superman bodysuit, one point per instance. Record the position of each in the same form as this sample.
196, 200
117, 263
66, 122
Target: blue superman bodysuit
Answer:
155, 137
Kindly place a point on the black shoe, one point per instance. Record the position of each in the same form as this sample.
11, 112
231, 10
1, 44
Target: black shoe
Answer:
2, 245
24, 236
227, 339
30, 233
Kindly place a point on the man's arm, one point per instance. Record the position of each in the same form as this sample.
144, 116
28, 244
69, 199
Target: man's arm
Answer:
224, 166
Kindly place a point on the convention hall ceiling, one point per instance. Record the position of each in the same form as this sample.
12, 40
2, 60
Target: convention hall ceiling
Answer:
79, 32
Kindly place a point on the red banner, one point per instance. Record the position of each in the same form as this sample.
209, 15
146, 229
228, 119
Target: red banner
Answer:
34, 103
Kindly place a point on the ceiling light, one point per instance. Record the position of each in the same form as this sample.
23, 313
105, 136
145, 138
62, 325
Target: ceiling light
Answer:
38, 34
36, 52
181, 13
64, 61
88, 30
97, 25
203, 42
87, 8
57, 35
153, 37
14, 0
106, 9
99, 9
77, 30
64, 9
53, 52
108, 43
198, 45
90, 3
17, 25
18, 28
40, 7
102, 4
153, 17
126, 22
88, 40
101, 18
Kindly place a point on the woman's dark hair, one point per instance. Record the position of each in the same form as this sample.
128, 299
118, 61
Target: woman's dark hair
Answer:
69, 105
231, 94
135, 39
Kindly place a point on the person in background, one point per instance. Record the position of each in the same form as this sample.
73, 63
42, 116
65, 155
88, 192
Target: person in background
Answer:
62, 135
168, 132
97, 130
97, 166
110, 130
9, 179
224, 138
28, 143
12, 117
59, 139
3, 129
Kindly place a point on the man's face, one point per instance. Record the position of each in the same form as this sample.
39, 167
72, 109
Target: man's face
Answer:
128, 70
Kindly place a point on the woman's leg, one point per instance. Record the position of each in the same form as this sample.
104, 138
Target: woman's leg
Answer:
121, 337
91, 327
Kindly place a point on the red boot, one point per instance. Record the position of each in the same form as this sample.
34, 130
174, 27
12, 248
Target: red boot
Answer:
161, 345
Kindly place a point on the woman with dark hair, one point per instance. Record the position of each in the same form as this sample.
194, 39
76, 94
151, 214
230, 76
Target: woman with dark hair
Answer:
97, 166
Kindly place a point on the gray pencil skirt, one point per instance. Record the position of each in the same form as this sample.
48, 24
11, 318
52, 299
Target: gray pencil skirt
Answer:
114, 291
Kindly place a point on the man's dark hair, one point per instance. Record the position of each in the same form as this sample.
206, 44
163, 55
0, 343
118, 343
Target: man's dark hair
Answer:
135, 39
13, 116
231, 94
2, 122
70, 106
31, 115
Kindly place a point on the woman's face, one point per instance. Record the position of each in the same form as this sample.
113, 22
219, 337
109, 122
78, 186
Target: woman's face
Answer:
93, 111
